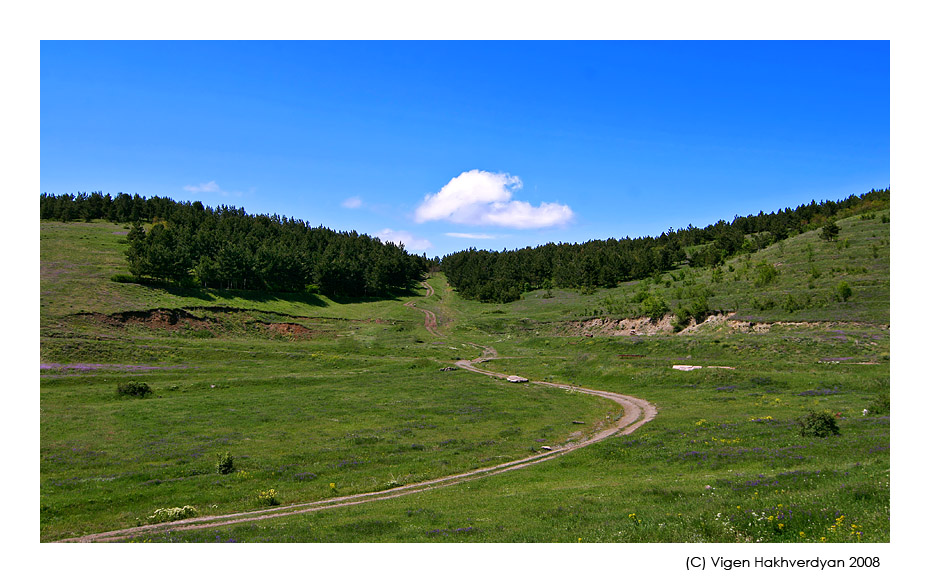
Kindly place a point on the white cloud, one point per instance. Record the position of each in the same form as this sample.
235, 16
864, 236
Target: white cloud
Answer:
353, 202
411, 242
211, 186
471, 235
477, 197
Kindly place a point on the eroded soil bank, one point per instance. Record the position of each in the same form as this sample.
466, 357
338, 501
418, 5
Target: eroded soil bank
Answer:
218, 320
646, 326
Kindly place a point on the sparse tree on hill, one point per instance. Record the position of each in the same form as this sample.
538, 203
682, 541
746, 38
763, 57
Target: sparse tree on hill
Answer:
830, 231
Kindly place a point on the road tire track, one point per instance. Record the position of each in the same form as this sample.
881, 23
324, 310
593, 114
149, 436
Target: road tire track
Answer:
430, 320
636, 412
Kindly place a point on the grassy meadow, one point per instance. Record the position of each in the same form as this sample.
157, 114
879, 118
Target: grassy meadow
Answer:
316, 397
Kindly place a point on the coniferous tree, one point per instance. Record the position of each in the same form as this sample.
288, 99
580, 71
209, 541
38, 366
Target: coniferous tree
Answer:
830, 231
225, 247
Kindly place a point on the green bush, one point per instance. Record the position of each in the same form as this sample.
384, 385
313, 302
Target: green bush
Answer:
765, 274
639, 296
682, 318
819, 424
172, 514
763, 304
830, 231
843, 291
699, 310
133, 389
880, 405
224, 463
268, 497
791, 304
654, 307
125, 278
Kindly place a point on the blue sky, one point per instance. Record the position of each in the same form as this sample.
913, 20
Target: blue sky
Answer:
447, 145
633, 137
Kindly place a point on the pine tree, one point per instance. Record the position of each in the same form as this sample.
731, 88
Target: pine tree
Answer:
830, 231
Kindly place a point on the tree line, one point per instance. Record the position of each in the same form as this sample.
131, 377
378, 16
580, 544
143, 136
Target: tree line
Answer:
501, 276
192, 244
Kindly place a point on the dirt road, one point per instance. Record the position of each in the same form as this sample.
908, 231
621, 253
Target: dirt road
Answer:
636, 412
430, 320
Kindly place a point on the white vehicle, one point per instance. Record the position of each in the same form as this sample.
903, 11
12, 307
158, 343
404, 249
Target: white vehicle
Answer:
515, 379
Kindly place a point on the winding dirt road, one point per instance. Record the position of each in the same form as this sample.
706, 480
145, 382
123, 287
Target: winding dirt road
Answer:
430, 322
636, 412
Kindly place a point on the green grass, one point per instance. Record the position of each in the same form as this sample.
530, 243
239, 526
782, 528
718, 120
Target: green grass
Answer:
295, 432
808, 271
359, 401
78, 261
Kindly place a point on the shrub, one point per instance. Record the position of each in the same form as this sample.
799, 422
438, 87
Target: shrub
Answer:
843, 291
682, 318
125, 278
763, 304
830, 231
133, 389
765, 274
224, 463
699, 309
639, 296
880, 405
819, 424
172, 514
654, 307
268, 497
791, 304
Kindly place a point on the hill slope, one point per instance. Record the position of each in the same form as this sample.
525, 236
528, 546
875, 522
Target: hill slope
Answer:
314, 398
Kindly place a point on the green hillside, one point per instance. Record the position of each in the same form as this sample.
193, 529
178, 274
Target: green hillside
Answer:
793, 280
316, 398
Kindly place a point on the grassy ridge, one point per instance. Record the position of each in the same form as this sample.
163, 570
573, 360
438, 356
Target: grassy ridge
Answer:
358, 401
353, 398
807, 269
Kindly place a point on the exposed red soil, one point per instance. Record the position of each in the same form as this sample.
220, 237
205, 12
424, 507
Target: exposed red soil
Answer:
179, 318
293, 330
159, 319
